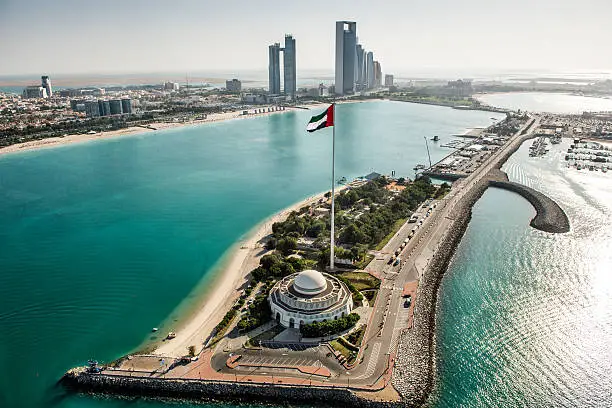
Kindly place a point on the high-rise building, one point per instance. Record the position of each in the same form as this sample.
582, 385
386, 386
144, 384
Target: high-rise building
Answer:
126, 105
360, 69
34, 92
274, 69
289, 66
233, 86
377, 74
171, 86
92, 108
370, 70
346, 56
46, 83
388, 80
115, 107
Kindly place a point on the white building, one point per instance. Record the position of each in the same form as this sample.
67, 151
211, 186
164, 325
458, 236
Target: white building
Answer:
309, 296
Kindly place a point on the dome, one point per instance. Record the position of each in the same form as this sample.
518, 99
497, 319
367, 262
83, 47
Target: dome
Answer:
310, 282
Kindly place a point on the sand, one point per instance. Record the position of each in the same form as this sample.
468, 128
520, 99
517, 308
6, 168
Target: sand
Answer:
229, 282
70, 139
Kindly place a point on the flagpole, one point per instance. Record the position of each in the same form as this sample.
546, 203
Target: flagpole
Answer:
333, 193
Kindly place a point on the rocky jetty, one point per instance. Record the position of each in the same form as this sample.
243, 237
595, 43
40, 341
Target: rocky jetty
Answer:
204, 391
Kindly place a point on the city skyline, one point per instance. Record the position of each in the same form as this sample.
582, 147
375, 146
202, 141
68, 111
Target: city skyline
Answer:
422, 41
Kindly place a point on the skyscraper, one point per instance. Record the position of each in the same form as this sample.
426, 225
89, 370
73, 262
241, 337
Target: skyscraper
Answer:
370, 70
360, 68
377, 74
289, 66
274, 69
346, 56
46, 83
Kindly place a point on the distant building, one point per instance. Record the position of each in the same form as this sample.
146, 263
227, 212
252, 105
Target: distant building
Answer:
171, 86
126, 105
360, 68
289, 66
370, 70
233, 86
115, 107
346, 56
388, 80
253, 98
34, 91
92, 108
274, 69
46, 83
377, 74
99, 91
105, 110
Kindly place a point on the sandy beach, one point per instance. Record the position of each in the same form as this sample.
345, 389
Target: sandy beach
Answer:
79, 138
227, 285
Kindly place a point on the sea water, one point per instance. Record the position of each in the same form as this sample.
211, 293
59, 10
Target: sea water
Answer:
101, 241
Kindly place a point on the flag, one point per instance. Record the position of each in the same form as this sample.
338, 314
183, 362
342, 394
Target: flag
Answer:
321, 121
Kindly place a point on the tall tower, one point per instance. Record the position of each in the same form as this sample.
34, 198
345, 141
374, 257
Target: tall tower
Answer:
274, 69
289, 66
46, 83
346, 56
360, 71
370, 70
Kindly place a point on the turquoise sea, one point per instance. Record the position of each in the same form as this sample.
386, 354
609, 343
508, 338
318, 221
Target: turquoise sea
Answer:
101, 241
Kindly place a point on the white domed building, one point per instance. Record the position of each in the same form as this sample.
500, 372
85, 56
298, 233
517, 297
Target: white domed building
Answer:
309, 296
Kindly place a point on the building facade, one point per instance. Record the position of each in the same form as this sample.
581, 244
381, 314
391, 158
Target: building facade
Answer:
289, 66
46, 83
274, 69
34, 92
377, 75
126, 105
309, 296
92, 108
115, 107
346, 56
388, 80
370, 70
233, 86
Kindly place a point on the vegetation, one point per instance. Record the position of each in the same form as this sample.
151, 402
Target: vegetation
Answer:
327, 327
348, 354
361, 280
356, 336
258, 312
191, 351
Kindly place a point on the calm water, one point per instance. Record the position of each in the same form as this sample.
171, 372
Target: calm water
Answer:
101, 241
547, 102
525, 316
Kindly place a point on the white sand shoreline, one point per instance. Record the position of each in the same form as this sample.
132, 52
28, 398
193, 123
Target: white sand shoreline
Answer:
240, 260
136, 130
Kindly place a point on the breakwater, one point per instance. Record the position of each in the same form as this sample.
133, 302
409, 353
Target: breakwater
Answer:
205, 390
415, 366
550, 217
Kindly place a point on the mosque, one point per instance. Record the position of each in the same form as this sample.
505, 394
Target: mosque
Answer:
309, 296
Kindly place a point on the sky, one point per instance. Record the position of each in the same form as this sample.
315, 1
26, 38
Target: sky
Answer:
406, 36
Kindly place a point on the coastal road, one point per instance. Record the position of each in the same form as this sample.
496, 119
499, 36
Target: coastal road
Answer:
389, 317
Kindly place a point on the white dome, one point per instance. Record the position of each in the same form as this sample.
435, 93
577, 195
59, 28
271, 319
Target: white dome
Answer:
310, 282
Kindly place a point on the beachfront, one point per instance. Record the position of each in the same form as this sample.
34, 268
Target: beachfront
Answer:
79, 138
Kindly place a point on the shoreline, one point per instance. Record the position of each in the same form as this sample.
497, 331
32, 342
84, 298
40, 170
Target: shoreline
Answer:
197, 321
135, 130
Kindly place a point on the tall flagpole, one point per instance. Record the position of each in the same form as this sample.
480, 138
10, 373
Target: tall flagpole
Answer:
333, 191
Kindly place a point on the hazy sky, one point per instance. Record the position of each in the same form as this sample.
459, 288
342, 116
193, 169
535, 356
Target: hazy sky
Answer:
108, 36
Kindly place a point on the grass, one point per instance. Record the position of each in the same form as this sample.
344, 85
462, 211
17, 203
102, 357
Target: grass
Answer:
361, 280
267, 335
366, 260
340, 348
390, 235
371, 296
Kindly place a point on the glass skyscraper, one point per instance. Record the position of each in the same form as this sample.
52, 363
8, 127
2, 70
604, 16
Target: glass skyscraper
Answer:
289, 66
274, 69
346, 57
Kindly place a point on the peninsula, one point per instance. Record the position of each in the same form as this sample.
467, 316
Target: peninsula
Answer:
361, 334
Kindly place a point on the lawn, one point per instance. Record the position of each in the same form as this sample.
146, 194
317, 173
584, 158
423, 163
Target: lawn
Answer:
361, 280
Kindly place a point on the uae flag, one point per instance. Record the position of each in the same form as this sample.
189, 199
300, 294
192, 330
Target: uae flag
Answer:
321, 121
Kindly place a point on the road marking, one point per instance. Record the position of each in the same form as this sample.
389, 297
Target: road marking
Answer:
372, 362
